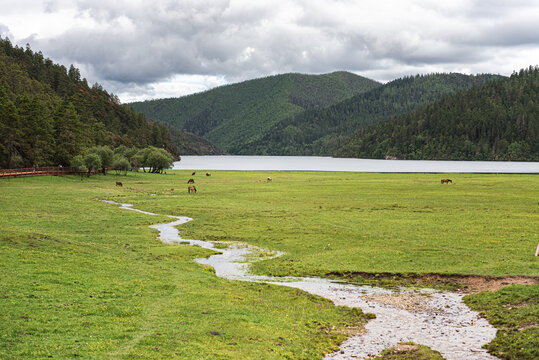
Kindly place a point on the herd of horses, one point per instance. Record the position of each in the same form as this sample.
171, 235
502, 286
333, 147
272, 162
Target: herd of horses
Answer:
190, 183
269, 179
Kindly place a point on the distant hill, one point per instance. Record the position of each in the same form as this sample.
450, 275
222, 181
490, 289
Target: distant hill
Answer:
231, 115
190, 144
322, 131
48, 114
495, 121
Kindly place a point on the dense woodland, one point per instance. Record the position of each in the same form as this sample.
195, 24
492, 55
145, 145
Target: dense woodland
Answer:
496, 121
232, 115
49, 114
323, 131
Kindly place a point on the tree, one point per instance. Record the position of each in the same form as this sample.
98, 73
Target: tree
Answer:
120, 163
79, 165
155, 159
105, 154
92, 162
68, 133
159, 159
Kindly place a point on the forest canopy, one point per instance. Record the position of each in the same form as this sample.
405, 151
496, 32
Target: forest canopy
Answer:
498, 120
49, 114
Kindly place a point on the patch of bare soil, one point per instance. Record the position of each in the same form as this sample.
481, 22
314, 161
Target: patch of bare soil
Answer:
459, 283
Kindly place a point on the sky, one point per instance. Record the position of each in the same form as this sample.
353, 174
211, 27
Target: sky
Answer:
143, 50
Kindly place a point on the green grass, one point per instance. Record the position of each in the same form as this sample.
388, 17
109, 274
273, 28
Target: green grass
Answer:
83, 278
410, 351
80, 277
337, 222
514, 310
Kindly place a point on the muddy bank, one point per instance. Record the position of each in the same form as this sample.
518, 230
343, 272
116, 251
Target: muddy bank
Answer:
457, 283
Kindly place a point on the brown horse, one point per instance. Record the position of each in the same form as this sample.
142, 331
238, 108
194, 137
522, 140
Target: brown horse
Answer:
446, 181
119, 183
190, 181
192, 187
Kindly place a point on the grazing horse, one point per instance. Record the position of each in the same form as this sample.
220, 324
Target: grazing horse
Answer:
194, 172
446, 181
192, 187
269, 179
208, 174
119, 183
190, 181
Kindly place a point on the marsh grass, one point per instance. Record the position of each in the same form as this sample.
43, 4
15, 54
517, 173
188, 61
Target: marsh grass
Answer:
80, 277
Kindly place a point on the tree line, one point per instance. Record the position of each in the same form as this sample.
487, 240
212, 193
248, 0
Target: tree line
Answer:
49, 114
122, 159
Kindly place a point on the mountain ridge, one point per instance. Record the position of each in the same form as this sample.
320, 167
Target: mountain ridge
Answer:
494, 121
232, 114
322, 131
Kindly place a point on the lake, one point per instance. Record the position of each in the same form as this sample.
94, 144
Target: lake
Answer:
317, 163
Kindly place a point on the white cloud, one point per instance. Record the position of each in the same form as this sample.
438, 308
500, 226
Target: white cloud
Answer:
170, 48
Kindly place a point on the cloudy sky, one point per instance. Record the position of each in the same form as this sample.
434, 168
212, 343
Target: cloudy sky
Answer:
156, 49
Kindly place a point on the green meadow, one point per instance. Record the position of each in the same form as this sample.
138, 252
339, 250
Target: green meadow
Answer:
84, 278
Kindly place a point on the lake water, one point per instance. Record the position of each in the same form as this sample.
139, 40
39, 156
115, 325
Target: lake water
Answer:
317, 163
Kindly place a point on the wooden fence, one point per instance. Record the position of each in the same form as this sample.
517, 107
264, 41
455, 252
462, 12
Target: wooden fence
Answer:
36, 171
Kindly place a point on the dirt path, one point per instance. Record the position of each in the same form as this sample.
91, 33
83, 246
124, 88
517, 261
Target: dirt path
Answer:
433, 318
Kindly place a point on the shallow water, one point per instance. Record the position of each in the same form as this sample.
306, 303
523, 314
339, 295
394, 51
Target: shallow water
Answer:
436, 319
320, 163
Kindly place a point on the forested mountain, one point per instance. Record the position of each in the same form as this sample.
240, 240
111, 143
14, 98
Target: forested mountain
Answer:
48, 114
496, 121
231, 115
322, 131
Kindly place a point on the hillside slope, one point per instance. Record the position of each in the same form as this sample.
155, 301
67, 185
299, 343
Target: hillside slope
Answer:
48, 113
322, 131
229, 116
496, 121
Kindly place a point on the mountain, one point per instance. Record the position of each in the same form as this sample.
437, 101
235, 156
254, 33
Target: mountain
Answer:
48, 114
231, 115
495, 121
190, 144
322, 131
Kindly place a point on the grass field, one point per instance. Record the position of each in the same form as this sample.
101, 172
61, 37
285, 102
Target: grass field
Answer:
83, 278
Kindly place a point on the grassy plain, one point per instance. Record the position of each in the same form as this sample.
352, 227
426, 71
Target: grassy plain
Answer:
81, 277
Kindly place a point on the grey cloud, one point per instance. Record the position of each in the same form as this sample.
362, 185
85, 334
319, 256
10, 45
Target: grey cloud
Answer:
4, 31
136, 44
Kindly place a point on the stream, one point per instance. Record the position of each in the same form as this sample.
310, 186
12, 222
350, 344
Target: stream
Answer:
439, 320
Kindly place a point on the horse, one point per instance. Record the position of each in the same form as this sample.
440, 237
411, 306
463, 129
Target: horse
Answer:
269, 179
172, 190
119, 183
208, 174
446, 181
194, 172
192, 187
190, 181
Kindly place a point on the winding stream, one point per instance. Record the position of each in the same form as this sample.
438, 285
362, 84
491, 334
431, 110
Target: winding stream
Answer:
436, 319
